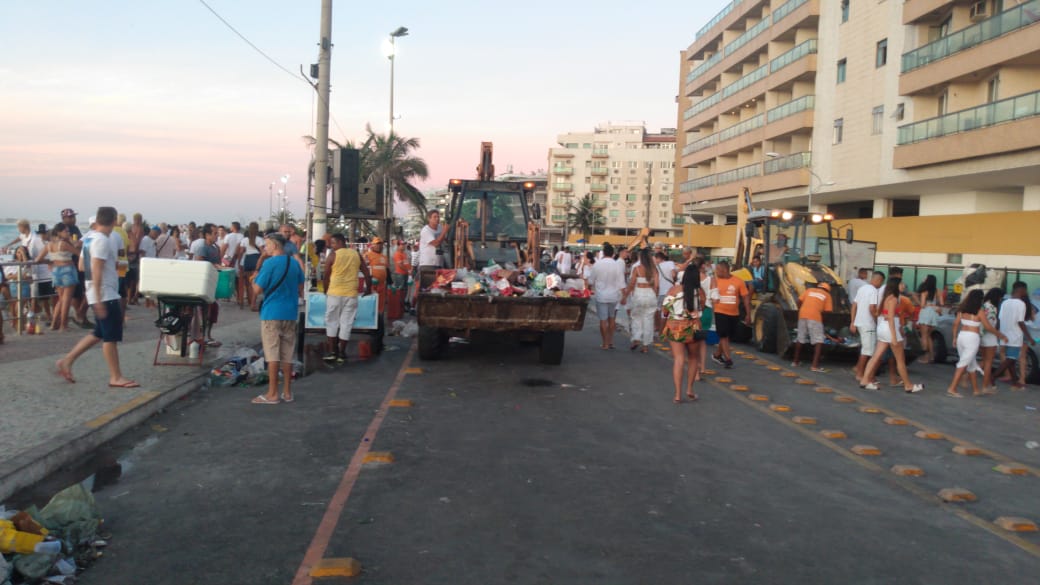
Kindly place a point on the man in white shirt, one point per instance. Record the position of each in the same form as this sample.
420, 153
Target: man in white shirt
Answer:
563, 261
607, 279
864, 318
1012, 318
230, 244
148, 249
665, 281
857, 282
98, 262
430, 238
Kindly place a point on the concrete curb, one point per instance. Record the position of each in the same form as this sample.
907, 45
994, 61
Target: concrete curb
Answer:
30, 467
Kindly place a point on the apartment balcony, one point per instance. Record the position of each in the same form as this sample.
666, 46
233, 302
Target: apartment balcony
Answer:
598, 187
561, 202
796, 63
786, 16
563, 186
770, 175
725, 19
599, 171
678, 220
917, 11
563, 170
1009, 36
994, 128
782, 120
599, 202
600, 153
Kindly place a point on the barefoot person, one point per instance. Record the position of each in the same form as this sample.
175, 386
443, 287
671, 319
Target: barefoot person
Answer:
98, 262
971, 319
682, 308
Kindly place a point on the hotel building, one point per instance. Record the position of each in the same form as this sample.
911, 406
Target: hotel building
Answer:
900, 118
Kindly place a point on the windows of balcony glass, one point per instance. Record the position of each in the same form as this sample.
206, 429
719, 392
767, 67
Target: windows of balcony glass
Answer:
841, 70
881, 53
839, 130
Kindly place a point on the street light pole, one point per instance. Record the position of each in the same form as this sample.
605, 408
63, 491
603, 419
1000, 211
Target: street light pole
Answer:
401, 31
388, 194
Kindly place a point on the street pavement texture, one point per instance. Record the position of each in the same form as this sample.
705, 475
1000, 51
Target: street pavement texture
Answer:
507, 471
43, 416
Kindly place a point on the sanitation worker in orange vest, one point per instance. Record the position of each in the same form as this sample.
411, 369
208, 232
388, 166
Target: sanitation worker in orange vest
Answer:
379, 268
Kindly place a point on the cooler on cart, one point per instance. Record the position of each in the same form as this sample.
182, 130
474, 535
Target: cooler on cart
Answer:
183, 290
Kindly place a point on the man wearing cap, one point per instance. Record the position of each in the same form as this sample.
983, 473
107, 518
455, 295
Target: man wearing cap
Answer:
99, 263
813, 301
379, 269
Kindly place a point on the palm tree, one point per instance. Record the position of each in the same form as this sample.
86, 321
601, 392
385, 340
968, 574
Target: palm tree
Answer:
388, 159
583, 216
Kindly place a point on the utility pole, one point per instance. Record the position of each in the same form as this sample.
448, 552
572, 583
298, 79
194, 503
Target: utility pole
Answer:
321, 134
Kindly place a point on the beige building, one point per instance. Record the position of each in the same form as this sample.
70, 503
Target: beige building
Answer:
628, 172
877, 109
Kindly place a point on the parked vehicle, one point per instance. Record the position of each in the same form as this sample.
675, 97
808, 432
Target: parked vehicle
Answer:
945, 346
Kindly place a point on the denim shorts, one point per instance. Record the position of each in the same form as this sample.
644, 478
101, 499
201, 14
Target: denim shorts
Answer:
606, 310
65, 276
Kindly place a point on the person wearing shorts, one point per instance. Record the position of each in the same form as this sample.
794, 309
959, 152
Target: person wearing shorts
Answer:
342, 286
813, 303
731, 291
102, 289
281, 281
607, 279
864, 318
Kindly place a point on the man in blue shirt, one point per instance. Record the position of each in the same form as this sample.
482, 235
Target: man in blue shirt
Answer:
281, 280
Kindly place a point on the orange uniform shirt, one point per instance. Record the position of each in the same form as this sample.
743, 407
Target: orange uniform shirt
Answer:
730, 291
377, 267
814, 301
402, 265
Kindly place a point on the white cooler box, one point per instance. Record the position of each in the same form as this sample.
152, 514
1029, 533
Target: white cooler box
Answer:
180, 278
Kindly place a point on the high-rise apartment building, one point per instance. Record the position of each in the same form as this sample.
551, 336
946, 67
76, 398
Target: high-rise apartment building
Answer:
870, 109
628, 172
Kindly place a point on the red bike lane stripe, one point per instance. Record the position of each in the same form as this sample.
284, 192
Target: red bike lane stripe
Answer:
320, 542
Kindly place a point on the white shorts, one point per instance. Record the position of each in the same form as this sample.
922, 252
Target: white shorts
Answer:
867, 341
989, 340
884, 335
340, 313
810, 331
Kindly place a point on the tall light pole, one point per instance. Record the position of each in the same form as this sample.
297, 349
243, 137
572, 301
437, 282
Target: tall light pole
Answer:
270, 200
391, 53
284, 193
388, 194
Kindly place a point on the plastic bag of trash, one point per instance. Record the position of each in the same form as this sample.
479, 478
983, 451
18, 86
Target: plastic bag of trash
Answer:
245, 352
34, 566
255, 368
72, 513
229, 373
5, 570
411, 329
397, 327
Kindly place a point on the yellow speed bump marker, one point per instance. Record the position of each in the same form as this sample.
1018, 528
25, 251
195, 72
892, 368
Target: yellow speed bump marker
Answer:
738, 352
709, 372
413, 370
844, 399
1011, 469
833, 434
774, 368
804, 420
967, 450
779, 408
870, 409
759, 397
1015, 524
956, 494
343, 567
824, 390
930, 435
379, 457
739, 388
748, 356
762, 363
724, 380
896, 421
804, 382
866, 450
401, 403
908, 470
789, 374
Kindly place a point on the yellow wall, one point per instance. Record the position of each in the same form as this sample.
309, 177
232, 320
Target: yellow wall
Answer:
1011, 233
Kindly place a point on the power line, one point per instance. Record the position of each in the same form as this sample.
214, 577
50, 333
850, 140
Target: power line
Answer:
250, 43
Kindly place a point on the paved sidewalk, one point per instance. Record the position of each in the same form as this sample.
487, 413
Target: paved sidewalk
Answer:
46, 422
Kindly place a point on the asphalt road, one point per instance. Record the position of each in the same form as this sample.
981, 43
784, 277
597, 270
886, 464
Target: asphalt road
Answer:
506, 471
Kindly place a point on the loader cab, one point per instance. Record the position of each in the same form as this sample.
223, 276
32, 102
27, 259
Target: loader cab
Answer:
497, 214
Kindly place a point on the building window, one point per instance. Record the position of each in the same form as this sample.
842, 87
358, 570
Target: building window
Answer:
614, 213
881, 54
841, 71
586, 145
572, 145
630, 214
616, 164
630, 197
877, 120
943, 103
663, 215
993, 89
633, 164
663, 198
844, 10
615, 196
839, 132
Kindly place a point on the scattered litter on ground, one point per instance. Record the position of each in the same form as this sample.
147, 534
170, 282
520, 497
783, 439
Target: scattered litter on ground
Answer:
1030, 407
1032, 445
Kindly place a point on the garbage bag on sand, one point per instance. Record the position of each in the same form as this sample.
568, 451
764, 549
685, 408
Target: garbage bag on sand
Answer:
73, 514
411, 329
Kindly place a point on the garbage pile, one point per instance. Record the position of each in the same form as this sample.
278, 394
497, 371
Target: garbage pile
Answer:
508, 281
244, 368
53, 544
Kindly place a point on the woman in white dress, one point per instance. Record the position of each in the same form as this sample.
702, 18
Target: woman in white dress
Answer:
971, 320
642, 290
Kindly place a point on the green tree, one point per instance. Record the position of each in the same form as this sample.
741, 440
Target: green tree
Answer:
583, 217
391, 158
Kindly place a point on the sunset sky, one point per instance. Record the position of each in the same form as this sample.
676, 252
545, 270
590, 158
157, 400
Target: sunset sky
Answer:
157, 107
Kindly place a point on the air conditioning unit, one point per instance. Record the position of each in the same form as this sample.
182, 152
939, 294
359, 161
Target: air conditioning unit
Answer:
979, 11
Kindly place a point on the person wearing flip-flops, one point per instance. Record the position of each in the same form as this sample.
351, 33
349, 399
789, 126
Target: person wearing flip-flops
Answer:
889, 336
281, 281
98, 261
